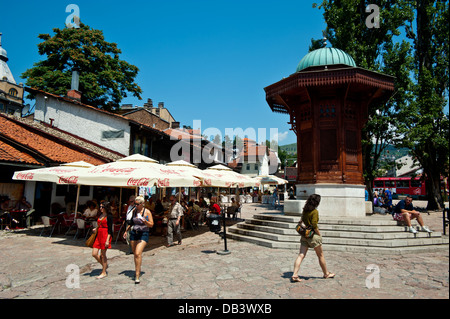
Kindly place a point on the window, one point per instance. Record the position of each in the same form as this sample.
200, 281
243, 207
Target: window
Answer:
402, 184
13, 92
248, 167
416, 183
256, 167
378, 184
113, 134
390, 184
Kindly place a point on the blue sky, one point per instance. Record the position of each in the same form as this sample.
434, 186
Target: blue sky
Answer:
206, 60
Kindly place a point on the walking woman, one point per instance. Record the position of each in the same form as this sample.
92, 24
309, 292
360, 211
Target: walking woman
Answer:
310, 217
140, 225
104, 237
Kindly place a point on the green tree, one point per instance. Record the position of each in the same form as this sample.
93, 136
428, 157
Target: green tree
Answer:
104, 78
426, 126
414, 116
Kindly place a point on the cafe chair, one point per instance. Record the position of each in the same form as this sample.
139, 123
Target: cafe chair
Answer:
117, 229
29, 218
238, 211
196, 220
81, 225
48, 222
5, 220
120, 230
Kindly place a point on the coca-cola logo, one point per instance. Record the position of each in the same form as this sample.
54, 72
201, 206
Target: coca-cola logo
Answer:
25, 176
138, 181
197, 183
163, 182
169, 171
68, 180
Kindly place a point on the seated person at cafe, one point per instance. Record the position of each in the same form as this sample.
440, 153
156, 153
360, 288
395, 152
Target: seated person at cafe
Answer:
233, 208
91, 211
149, 203
5, 207
202, 203
158, 217
23, 204
214, 208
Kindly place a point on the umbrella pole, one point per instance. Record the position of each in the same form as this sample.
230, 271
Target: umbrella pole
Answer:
76, 203
120, 203
225, 251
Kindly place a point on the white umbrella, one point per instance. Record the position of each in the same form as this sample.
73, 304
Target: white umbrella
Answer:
132, 171
51, 174
222, 176
270, 179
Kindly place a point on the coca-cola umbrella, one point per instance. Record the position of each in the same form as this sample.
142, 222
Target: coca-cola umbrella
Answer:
52, 174
270, 179
187, 168
222, 176
133, 171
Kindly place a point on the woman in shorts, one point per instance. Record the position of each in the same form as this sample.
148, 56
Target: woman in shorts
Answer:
310, 217
141, 223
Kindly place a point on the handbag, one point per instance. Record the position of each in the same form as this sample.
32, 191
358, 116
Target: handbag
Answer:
303, 230
90, 241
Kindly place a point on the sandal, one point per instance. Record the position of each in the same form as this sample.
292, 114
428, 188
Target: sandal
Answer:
295, 279
329, 275
101, 276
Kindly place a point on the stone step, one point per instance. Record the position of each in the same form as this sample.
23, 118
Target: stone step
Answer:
328, 225
380, 221
390, 232
379, 234
404, 241
340, 247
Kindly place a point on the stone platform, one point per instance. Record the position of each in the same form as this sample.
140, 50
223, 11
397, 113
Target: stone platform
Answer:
372, 234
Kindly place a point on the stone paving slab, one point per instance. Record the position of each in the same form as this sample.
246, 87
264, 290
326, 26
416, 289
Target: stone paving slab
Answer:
34, 267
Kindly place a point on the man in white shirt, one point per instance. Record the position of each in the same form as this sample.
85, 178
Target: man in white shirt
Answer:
173, 226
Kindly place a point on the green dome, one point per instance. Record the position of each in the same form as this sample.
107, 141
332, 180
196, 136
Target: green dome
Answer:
325, 56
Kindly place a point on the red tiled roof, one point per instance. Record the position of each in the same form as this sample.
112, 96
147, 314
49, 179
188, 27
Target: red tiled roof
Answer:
41, 146
9, 153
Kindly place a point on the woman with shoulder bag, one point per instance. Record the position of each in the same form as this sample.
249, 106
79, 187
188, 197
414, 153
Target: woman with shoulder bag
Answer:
310, 217
104, 237
140, 226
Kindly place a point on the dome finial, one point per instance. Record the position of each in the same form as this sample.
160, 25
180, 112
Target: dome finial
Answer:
324, 40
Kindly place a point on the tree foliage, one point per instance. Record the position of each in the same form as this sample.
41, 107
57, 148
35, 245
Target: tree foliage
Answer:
104, 78
414, 116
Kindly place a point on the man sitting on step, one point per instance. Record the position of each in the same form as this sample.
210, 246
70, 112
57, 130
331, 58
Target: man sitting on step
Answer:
404, 212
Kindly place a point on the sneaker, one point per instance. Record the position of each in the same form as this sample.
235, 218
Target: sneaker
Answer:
426, 229
412, 230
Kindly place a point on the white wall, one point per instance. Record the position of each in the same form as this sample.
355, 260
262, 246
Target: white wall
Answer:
83, 122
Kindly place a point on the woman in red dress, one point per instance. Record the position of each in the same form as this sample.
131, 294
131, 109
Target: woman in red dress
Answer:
104, 237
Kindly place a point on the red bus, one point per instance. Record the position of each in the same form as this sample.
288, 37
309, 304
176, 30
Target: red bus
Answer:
401, 186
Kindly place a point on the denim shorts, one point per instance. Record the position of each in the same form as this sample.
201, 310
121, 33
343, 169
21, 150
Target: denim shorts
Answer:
139, 235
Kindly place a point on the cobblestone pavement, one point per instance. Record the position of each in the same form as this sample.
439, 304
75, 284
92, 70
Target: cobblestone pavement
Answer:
41, 267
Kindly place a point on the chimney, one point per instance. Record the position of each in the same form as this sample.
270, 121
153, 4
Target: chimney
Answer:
74, 93
149, 104
161, 105
175, 124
